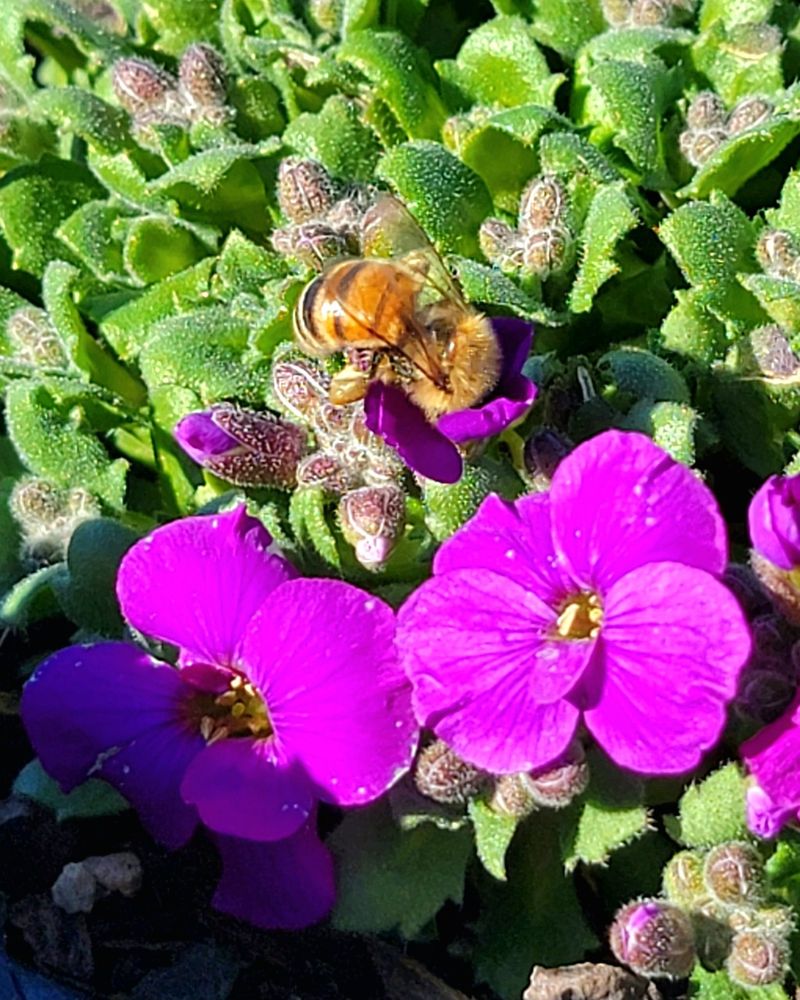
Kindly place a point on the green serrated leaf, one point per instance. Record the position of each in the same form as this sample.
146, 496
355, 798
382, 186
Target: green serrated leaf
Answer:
390, 879
85, 114
493, 835
705, 985
90, 234
692, 331
609, 219
92, 798
713, 811
157, 247
488, 286
564, 26
338, 138
310, 526
778, 297
671, 425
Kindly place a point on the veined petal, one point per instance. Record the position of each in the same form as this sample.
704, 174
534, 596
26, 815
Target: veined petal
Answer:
774, 521
322, 654
512, 539
772, 757
112, 711
201, 438
487, 676
281, 885
619, 501
508, 403
245, 788
197, 582
672, 646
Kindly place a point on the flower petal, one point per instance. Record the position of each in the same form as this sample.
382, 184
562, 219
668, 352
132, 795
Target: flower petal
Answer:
508, 404
764, 818
282, 885
512, 539
322, 653
244, 788
201, 438
197, 582
619, 501
516, 337
389, 413
112, 711
486, 676
772, 756
774, 519
672, 646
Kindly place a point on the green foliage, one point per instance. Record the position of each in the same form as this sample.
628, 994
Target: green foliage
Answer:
705, 985
493, 834
713, 811
93, 798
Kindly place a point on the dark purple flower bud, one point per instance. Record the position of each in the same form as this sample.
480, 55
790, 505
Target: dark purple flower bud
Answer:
765, 694
547, 251
443, 776
306, 190
772, 352
748, 113
654, 938
243, 447
372, 520
328, 471
776, 253
141, 85
758, 958
707, 110
555, 786
299, 387
683, 880
699, 145
202, 78
543, 204
544, 449
35, 339
734, 874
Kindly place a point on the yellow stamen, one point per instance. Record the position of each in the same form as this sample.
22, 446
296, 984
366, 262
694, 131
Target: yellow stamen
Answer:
580, 617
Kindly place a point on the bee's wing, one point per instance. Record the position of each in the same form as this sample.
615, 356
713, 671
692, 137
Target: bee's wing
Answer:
388, 229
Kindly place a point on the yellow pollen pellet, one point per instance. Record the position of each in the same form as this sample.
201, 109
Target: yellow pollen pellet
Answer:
238, 710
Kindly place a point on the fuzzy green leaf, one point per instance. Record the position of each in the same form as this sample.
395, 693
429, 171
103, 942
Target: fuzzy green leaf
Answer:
447, 507
733, 12
714, 810
90, 234
391, 879
243, 266
671, 425
85, 114
338, 138
488, 286
92, 798
31, 599
740, 60
157, 247
610, 218
493, 835
310, 527
779, 298
692, 331
565, 26
177, 23
642, 375
705, 985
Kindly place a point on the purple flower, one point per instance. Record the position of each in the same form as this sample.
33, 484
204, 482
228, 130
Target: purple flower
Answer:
242, 446
598, 601
287, 691
772, 757
774, 518
431, 449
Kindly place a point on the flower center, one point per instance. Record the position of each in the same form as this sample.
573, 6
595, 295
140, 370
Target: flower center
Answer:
580, 617
239, 711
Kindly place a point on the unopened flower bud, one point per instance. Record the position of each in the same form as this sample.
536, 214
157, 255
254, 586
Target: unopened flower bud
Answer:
772, 352
140, 84
329, 472
773, 919
650, 13
547, 251
734, 874
326, 14
242, 446
35, 503
305, 189
557, 785
683, 880
707, 110
748, 113
617, 12
654, 938
741, 579
780, 586
299, 387
757, 958
346, 215
543, 204
372, 520
500, 243
776, 253
699, 145
543, 452
512, 796
202, 78
443, 776
35, 339
755, 39
311, 243
764, 695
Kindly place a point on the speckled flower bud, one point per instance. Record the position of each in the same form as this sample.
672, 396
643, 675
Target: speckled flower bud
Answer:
699, 145
755, 39
346, 215
776, 253
757, 958
497, 240
650, 13
707, 110
299, 387
141, 85
326, 14
305, 189
775, 919
772, 352
557, 785
542, 205
35, 339
35, 503
542, 454
780, 586
547, 251
654, 939
372, 520
617, 12
443, 776
734, 874
328, 471
748, 113
242, 446
683, 880
512, 796
311, 243
201, 73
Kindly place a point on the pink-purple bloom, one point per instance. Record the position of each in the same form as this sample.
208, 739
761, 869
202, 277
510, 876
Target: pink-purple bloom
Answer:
287, 692
774, 518
431, 449
598, 602
772, 757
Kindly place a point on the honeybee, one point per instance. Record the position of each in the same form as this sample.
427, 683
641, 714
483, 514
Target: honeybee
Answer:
397, 316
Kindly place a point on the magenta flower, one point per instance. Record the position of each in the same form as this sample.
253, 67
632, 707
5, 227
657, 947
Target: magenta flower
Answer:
287, 691
774, 518
599, 602
772, 757
431, 449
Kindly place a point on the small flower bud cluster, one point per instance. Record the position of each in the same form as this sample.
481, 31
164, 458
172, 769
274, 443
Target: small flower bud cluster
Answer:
47, 517
542, 454
34, 339
350, 463
778, 255
543, 242
708, 125
324, 217
153, 96
773, 672
552, 787
441, 775
722, 893
643, 13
